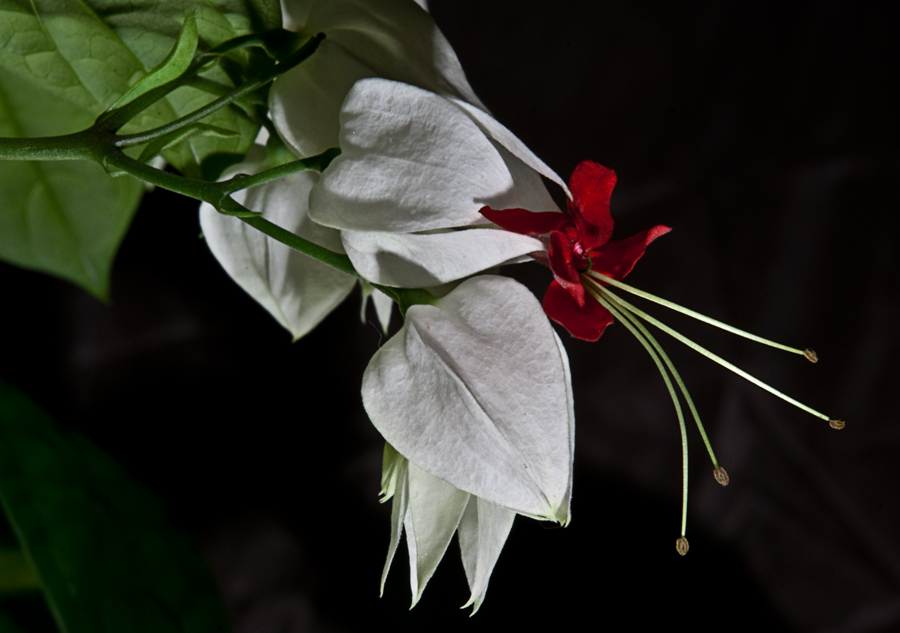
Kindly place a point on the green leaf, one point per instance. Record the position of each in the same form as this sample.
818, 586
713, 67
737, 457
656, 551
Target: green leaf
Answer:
107, 558
62, 218
64, 62
157, 145
176, 62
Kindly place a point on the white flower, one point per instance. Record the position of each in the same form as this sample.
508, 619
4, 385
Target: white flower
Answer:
414, 169
297, 290
396, 39
475, 392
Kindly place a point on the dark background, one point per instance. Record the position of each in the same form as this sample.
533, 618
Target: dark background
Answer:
765, 135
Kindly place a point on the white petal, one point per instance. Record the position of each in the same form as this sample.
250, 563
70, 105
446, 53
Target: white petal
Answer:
395, 39
410, 161
483, 531
297, 290
435, 508
474, 391
419, 261
510, 141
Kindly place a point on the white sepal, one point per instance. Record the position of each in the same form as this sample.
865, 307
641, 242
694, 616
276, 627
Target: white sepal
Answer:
410, 161
297, 290
511, 142
474, 391
395, 39
483, 531
411, 260
432, 516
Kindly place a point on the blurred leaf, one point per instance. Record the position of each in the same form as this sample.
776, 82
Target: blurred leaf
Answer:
62, 63
16, 573
108, 560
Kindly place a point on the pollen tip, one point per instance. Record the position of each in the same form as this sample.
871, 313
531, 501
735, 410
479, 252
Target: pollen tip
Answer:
721, 476
811, 355
681, 546
837, 424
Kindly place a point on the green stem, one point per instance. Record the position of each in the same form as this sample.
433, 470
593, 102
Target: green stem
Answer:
317, 163
139, 138
79, 146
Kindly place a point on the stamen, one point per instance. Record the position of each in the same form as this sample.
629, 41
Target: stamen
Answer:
669, 364
724, 363
837, 424
633, 328
681, 546
810, 354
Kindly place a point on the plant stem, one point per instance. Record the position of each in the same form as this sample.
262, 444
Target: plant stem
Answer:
302, 54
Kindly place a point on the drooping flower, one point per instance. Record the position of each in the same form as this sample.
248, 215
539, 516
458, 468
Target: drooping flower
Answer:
475, 393
579, 241
414, 171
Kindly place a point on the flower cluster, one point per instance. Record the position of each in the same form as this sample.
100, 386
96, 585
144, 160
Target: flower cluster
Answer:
473, 394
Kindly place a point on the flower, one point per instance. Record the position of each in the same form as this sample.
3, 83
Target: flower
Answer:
475, 393
579, 241
414, 171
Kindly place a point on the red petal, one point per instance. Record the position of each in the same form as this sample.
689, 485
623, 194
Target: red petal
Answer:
526, 222
592, 185
562, 264
585, 322
616, 259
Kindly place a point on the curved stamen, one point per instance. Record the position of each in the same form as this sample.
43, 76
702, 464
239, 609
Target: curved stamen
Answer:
808, 353
627, 322
724, 363
670, 365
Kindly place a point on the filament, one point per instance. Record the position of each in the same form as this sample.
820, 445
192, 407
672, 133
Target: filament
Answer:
809, 354
634, 329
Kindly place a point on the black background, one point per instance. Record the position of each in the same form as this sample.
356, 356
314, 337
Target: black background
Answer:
766, 136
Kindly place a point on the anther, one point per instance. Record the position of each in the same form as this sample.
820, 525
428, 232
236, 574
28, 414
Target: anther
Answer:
811, 355
837, 424
721, 476
681, 546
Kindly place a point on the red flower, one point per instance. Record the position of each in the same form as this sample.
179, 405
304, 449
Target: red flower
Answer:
578, 242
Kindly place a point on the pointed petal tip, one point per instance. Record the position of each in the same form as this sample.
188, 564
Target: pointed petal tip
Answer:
474, 602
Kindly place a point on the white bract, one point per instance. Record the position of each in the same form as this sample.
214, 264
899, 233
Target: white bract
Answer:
475, 393
396, 39
414, 171
297, 290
